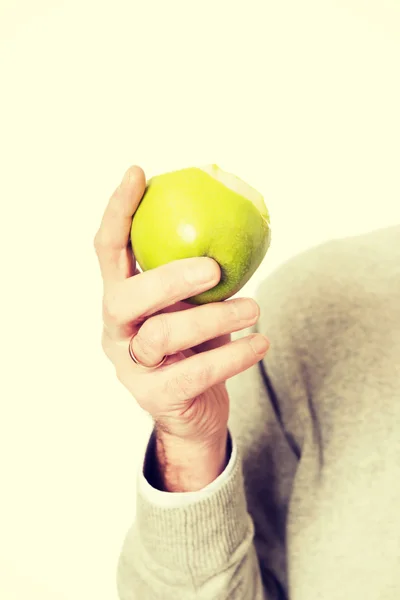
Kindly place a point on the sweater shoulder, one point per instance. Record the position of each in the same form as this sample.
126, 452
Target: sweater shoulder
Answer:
335, 304
349, 274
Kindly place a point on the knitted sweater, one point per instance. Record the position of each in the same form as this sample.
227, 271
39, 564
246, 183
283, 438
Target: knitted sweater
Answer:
309, 505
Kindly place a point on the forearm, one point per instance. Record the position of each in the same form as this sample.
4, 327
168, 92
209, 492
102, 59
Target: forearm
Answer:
186, 466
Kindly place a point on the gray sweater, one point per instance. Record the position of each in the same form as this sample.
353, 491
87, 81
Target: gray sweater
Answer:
309, 508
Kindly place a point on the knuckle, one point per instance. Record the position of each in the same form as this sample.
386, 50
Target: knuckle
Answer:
177, 388
187, 385
206, 375
200, 327
96, 242
111, 308
104, 240
152, 336
232, 315
99, 241
168, 283
165, 331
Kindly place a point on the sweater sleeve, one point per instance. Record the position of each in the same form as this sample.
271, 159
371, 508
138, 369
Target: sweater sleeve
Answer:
228, 542
197, 545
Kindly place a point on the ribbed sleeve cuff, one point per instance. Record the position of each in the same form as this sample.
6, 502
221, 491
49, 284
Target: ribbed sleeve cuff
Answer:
201, 535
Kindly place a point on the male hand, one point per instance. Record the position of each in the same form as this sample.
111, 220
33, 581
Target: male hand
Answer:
186, 396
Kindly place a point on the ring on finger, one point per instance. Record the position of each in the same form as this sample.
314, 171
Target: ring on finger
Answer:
137, 361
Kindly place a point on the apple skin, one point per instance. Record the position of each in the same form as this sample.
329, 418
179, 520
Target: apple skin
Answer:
188, 213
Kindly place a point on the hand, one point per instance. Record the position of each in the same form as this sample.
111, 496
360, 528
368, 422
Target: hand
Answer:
186, 396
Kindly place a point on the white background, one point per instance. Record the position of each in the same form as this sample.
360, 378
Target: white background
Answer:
301, 99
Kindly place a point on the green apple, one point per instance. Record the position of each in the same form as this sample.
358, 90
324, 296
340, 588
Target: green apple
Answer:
202, 212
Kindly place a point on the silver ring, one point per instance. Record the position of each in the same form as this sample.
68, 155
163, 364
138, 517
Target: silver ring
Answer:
137, 361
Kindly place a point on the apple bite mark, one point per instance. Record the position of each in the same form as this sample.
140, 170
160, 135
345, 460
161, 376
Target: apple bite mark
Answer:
239, 186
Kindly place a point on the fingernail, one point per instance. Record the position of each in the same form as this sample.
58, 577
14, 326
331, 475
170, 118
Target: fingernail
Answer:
127, 176
202, 272
259, 343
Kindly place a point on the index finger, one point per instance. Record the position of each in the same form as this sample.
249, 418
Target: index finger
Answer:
112, 239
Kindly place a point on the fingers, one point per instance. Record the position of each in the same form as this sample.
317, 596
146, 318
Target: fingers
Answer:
112, 239
151, 291
187, 379
169, 333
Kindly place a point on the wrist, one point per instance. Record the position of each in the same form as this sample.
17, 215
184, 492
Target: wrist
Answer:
187, 466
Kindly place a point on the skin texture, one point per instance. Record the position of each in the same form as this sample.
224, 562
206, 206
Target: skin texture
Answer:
187, 396
189, 213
